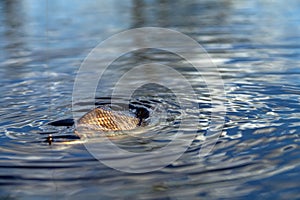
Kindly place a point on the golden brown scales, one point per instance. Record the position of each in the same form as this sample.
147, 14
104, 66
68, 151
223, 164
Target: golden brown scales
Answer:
100, 119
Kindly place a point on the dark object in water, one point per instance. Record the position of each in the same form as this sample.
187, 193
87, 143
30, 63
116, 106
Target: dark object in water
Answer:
62, 122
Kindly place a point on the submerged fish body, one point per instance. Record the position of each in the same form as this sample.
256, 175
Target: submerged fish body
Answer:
101, 119
104, 120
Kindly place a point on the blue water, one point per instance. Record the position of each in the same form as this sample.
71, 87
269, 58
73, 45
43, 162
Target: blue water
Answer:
255, 45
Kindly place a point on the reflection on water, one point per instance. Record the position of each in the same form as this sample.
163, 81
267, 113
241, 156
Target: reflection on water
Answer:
256, 47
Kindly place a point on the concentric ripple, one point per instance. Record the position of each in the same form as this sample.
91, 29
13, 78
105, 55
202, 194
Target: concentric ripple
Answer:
256, 47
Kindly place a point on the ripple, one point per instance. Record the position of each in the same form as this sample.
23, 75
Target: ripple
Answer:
257, 154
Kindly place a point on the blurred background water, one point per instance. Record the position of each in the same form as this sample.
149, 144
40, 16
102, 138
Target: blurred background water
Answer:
256, 45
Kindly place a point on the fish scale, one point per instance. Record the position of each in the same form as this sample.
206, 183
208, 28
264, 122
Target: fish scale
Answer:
100, 119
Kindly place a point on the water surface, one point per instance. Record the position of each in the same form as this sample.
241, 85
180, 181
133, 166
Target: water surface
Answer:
256, 47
